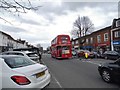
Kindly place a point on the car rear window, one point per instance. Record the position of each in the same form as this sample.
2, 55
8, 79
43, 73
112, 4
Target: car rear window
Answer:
32, 55
16, 62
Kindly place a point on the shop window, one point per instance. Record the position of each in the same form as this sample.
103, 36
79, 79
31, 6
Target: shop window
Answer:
106, 37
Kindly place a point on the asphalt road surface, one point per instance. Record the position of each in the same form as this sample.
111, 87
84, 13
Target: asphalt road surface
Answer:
75, 73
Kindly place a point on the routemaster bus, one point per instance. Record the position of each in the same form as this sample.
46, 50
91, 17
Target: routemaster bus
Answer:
61, 47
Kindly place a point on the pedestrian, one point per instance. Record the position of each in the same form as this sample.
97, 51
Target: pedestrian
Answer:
86, 55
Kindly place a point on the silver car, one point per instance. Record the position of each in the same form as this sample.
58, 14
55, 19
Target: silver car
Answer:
28, 54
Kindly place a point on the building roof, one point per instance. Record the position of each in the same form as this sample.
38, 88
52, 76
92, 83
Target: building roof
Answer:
10, 37
114, 23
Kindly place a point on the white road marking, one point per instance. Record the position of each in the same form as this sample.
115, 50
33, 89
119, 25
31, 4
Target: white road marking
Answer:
57, 81
92, 62
55, 78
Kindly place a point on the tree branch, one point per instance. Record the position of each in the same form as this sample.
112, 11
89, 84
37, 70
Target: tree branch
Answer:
6, 20
15, 6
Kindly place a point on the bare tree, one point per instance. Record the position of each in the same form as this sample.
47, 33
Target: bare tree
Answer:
81, 27
13, 6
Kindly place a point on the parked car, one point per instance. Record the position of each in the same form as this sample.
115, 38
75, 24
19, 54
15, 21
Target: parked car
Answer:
110, 71
74, 53
96, 54
48, 52
81, 53
22, 72
36, 50
32, 55
111, 55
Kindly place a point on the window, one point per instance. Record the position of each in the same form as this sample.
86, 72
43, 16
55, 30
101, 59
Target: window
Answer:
64, 39
106, 37
32, 55
117, 23
72, 42
117, 34
12, 53
91, 40
4, 53
76, 42
99, 38
16, 62
65, 48
87, 40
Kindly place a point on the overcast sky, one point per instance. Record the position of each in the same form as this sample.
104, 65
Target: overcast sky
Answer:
55, 18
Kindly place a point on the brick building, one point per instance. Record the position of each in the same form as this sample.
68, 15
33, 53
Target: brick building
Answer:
115, 35
98, 41
88, 42
102, 39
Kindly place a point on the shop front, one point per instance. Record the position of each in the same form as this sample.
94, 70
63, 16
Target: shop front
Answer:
102, 47
90, 48
116, 46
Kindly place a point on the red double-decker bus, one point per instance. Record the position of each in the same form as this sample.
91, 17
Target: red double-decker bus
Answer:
61, 47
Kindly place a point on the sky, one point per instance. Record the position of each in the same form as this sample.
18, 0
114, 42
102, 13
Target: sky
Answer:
56, 17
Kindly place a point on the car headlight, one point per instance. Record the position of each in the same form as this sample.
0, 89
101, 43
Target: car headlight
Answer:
99, 65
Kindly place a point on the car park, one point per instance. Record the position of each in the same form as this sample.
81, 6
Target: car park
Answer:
110, 71
21, 72
111, 55
32, 55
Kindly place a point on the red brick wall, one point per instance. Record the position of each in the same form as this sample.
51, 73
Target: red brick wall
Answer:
102, 37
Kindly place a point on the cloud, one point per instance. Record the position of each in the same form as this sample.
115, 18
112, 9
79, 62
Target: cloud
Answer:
48, 8
28, 21
12, 29
55, 18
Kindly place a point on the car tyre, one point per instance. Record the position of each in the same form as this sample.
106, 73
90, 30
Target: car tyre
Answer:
106, 76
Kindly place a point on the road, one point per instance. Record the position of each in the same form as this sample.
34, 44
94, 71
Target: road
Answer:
75, 73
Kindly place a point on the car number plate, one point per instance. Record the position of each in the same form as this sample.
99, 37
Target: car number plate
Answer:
40, 74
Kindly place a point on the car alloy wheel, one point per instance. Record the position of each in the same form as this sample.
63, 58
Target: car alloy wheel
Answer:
106, 76
106, 57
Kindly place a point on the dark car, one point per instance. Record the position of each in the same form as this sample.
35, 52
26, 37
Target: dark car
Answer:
74, 53
96, 54
110, 71
111, 55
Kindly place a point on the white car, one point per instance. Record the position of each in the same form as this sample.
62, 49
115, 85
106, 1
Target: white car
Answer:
21, 72
31, 55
